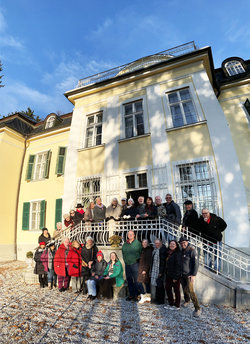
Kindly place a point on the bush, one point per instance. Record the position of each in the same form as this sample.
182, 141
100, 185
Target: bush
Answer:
29, 254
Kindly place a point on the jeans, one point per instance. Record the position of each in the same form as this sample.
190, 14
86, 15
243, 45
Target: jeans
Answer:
91, 285
212, 254
135, 288
51, 276
188, 291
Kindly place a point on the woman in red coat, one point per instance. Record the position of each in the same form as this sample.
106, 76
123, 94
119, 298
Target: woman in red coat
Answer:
61, 265
74, 260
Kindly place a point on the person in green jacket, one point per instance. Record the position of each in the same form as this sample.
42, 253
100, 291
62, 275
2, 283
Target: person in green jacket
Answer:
112, 276
131, 251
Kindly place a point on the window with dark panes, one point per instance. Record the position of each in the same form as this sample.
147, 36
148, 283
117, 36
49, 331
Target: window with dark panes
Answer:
94, 130
133, 119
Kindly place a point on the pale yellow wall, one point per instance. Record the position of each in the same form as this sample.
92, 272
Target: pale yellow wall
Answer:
189, 143
238, 125
135, 152
47, 189
91, 161
11, 153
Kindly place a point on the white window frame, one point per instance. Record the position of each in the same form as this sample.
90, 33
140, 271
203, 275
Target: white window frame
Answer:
136, 174
38, 201
92, 195
50, 122
144, 111
234, 67
95, 125
194, 98
41, 175
213, 181
246, 112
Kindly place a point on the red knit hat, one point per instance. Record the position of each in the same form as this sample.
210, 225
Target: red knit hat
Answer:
42, 243
99, 253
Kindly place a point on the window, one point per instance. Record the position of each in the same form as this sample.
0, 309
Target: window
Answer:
133, 117
247, 106
94, 130
182, 108
50, 122
136, 181
88, 190
33, 215
234, 67
195, 182
60, 164
38, 166
58, 211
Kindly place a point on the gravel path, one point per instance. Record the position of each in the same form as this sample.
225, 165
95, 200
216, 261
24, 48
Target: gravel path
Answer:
29, 314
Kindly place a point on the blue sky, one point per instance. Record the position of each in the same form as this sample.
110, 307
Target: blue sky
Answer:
46, 46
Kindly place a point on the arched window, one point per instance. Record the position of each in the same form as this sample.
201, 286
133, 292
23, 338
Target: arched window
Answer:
50, 122
234, 67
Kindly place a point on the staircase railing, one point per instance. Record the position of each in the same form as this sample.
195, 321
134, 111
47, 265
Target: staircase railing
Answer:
219, 258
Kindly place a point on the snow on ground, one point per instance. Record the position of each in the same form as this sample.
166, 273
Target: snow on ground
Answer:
29, 314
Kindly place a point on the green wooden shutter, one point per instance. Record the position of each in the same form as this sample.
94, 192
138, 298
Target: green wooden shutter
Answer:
48, 158
60, 160
58, 211
26, 216
42, 214
30, 167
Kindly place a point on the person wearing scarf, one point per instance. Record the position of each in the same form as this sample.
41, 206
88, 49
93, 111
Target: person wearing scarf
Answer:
157, 273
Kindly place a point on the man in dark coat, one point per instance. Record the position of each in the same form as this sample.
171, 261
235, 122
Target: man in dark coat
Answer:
173, 212
211, 227
190, 218
189, 267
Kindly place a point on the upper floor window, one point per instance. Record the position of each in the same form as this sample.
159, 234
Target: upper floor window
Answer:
60, 164
94, 130
182, 108
234, 67
133, 118
38, 166
50, 122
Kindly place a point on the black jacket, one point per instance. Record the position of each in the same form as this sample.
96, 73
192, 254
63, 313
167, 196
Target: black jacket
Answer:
190, 220
189, 261
173, 265
43, 238
173, 212
39, 268
130, 211
151, 211
88, 255
212, 231
78, 217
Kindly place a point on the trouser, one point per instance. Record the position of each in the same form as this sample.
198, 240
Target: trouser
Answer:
91, 285
170, 285
63, 282
212, 254
135, 288
84, 278
51, 276
188, 291
76, 283
106, 287
157, 294
147, 288
43, 280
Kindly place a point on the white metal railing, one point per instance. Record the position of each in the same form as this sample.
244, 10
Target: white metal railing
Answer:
111, 73
219, 258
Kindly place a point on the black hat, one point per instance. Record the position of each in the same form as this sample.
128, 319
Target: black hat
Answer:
79, 205
188, 202
183, 239
44, 229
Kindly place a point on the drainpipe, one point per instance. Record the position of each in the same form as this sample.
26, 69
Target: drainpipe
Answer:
18, 192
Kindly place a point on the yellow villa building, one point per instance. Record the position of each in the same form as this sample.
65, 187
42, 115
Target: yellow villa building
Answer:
166, 123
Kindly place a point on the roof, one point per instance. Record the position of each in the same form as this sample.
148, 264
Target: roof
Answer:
222, 76
28, 127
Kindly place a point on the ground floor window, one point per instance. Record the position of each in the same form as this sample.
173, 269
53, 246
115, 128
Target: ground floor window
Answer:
136, 185
33, 215
195, 181
88, 190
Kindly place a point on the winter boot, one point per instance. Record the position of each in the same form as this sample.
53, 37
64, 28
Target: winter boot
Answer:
51, 285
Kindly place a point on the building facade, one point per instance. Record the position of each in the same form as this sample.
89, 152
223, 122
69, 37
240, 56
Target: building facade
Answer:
166, 123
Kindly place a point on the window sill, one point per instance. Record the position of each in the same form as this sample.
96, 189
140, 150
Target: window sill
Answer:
133, 137
92, 147
36, 180
187, 126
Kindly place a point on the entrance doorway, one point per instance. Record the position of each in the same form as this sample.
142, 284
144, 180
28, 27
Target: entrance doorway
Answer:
137, 193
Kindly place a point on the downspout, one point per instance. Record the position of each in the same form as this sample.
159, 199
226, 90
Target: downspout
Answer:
18, 193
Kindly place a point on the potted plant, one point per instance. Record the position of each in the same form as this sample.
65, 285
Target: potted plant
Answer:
29, 256
115, 240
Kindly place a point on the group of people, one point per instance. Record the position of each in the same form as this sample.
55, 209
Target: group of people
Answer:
152, 271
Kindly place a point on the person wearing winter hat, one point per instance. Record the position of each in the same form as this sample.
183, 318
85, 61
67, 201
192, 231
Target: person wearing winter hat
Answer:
39, 267
189, 269
97, 271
